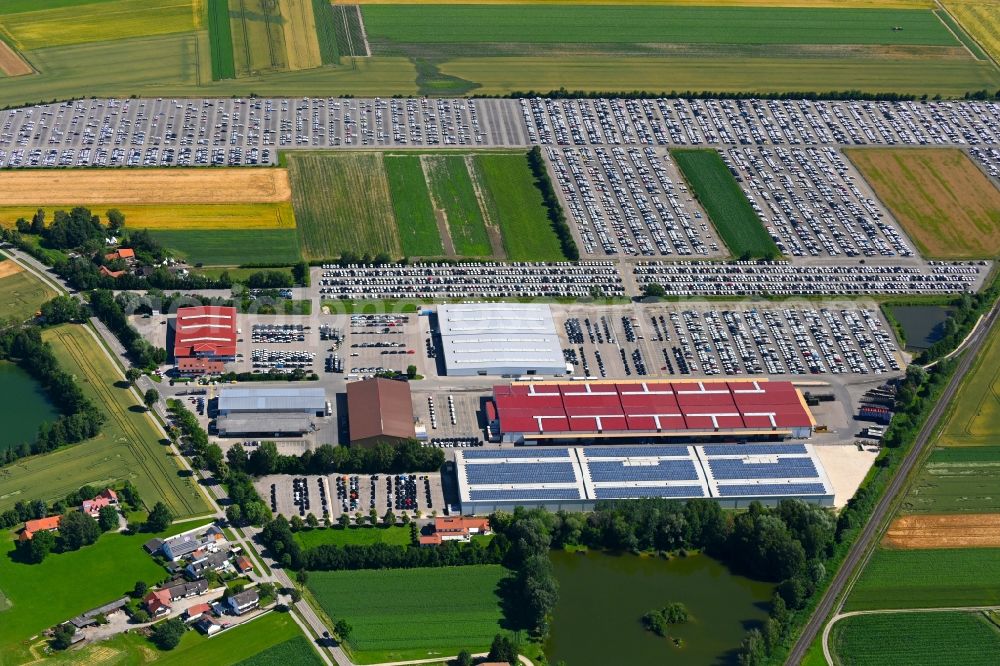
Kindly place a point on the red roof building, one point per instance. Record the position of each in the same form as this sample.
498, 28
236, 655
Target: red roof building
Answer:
455, 529
106, 497
32, 527
200, 366
205, 331
643, 410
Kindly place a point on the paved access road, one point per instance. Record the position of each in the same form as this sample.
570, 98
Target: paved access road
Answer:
833, 598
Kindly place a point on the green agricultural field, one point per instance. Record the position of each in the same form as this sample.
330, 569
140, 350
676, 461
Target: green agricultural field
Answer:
394, 536
973, 417
350, 37
242, 643
258, 39
648, 24
326, 31
454, 194
20, 292
928, 579
117, 19
330, 212
128, 447
293, 652
231, 247
220, 37
411, 202
726, 204
112, 567
514, 203
916, 639
393, 618
957, 480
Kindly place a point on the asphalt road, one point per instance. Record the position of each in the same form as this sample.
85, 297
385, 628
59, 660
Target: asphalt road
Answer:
858, 553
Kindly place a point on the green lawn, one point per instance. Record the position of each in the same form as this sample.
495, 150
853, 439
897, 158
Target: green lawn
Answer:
401, 614
726, 204
234, 646
453, 192
128, 447
21, 294
916, 639
397, 536
411, 202
515, 205
296, 651
67, 584
928, 579
227, 247
957, 480
646, 24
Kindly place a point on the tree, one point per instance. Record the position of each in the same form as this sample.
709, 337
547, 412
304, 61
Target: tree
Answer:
107, 518
38, 222
503, 649
62, 636
60, 310
653, 290
167, 634
464, 658
753, 650
38, 547
159, 518
116, 221
78, 529
373, 516
411, 371
312, 521
237, 457
344, 520
343, 630
139, 589
300, 273
295, 595
150, 397
389, 518
140, 616
132, 375
297, 524
234, 514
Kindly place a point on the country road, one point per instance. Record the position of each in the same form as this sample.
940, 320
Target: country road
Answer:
861, 549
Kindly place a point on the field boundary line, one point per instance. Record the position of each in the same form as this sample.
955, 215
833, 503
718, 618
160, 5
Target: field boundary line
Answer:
986, 52
364, 32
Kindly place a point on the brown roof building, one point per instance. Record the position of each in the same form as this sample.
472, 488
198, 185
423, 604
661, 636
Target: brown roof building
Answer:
379, 410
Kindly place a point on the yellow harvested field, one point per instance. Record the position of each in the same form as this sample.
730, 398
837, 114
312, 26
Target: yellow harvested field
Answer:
8, 268
88, 187
943, 201
944, 531
11, 62
981, 19
180, 217
837, 4
301, 40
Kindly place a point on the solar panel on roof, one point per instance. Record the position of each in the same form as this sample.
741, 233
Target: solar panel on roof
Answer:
516, 453
663, 470
771, 489
618, 492
635, 451
783, 468
527, 473
524, 494
751, 449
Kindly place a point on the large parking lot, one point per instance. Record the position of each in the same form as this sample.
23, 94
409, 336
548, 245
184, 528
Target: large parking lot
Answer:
717, 339
336, 494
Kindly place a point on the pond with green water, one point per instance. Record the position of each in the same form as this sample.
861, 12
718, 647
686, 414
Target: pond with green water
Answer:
923, 325
602, 598
23, 407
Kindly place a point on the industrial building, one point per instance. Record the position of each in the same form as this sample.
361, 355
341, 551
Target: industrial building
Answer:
379, 410
574, 479
205, 331
269, 411
505, 339
647, 411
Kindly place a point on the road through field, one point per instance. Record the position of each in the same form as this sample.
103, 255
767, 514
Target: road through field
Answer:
834, 595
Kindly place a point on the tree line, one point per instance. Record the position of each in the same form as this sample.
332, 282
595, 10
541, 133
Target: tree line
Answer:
79, 419
382, 458
553, 208
111, 311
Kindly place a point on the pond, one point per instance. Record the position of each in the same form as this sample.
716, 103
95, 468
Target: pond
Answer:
923, 325
24, 407
603, 596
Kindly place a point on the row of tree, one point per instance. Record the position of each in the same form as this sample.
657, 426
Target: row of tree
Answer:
859, 95
32, 510
382, 458
111, 311
554, 209
80, 419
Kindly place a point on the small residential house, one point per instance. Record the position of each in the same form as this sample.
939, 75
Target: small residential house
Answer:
244, 602
202, 564
106, 497
243, 564
106, 272
208, 625
184, 589
32, 527
195, 612
157, 603
125, 254
153, 546
183, 545
455, 528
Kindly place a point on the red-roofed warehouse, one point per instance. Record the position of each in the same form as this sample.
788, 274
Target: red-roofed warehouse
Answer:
206, 331
561, 412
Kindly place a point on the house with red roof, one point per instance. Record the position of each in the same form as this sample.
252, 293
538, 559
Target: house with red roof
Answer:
455, 528
106, 497
33, 527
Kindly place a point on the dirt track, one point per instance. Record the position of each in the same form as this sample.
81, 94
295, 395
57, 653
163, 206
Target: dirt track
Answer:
143, 186
944, 531
11, 62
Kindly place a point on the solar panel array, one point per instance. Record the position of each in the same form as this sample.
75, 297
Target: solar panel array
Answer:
635, 492
664, 470
753, 449
728, 469
520, 473
524, 494
771, 489
533, 452
635, 451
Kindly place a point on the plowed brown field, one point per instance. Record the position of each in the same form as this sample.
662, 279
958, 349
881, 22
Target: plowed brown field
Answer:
143, 186
8, 268
944, 531
11, 62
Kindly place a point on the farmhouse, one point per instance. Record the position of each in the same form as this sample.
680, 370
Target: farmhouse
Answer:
121, 254
455, 529
199, 566
90, 617
508, 339
106, 497
205, 331
379, 410
32, 527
